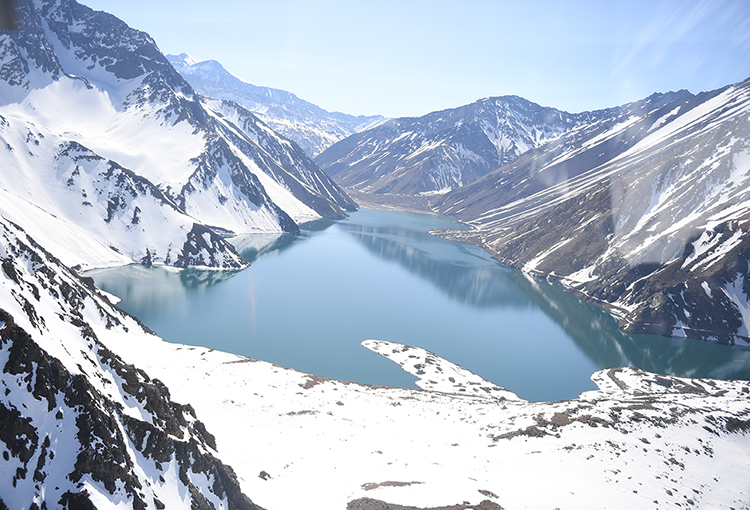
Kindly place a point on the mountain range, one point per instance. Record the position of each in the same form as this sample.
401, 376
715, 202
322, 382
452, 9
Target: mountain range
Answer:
447, 149
646, 215
310, 126
640, 208
109, 156
113, 157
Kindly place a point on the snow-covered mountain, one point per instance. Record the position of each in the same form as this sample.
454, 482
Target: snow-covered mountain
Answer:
108, 157
79, 427
445, 150
109, 151
646, 214
311, 127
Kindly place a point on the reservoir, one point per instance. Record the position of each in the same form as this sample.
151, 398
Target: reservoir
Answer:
308, 301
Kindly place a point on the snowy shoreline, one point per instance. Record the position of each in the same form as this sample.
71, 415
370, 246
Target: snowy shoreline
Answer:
335, 442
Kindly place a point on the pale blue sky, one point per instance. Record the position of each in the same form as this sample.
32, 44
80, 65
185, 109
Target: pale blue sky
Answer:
408, 58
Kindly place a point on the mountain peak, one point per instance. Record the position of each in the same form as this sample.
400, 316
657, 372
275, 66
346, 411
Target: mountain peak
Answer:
310, 126
184, 58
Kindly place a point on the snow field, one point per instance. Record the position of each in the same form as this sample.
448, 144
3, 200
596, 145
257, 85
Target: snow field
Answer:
333, 441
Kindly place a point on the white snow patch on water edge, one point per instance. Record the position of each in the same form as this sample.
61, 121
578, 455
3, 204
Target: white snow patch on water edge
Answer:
308, 432
435, 373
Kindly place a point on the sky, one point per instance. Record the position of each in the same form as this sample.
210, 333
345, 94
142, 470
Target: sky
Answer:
401, 58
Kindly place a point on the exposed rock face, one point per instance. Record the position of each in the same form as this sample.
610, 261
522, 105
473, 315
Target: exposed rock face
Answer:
288, 164
309, 126
446, 150
647, 216
81, 428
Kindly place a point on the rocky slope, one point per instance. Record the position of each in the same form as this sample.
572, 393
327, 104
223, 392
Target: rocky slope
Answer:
80, 427
283, 160
105, 143
311, 127
646, 214
448, 149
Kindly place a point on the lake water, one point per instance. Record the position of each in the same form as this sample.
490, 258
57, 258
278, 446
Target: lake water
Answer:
308, 301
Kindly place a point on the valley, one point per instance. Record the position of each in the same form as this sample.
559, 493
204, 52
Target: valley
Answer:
217, 295
641, 209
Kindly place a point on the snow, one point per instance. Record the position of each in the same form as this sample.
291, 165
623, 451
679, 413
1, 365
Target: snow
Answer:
73, 245
612, 132
587, 274
436, 374
740, 169
136, 139
711, 243
307, 432
280, 195
190, 60
664, 118
691, 118
736, 294
532, 264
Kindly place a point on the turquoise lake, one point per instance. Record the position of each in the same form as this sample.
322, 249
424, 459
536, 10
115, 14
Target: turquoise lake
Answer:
308, 301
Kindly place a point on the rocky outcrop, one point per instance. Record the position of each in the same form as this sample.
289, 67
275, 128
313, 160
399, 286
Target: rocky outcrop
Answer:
82, 428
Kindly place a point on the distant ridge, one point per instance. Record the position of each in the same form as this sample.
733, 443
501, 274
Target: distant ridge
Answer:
311, 127
444, 150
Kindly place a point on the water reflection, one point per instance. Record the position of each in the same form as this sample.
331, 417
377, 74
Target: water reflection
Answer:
382, 275
481, 282
151, 290
596, 333
254, 246
473, 279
